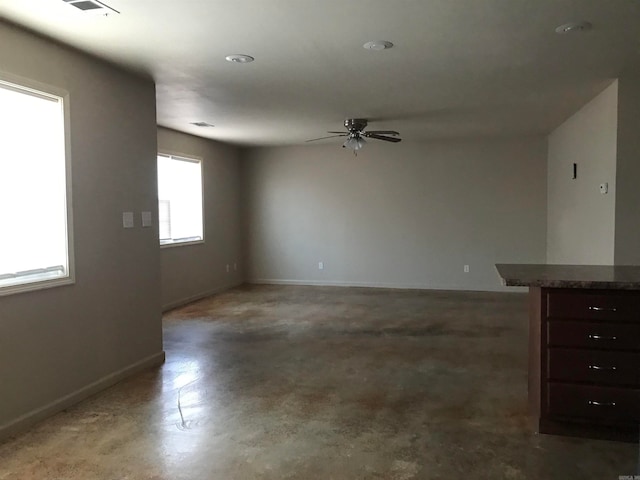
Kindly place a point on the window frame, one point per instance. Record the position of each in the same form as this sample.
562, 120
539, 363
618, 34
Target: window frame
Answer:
193, 159
40, 89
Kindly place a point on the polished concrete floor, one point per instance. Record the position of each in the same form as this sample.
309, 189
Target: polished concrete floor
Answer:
272, 382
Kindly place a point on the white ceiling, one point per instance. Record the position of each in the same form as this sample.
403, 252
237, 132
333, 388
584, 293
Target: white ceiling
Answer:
459, 68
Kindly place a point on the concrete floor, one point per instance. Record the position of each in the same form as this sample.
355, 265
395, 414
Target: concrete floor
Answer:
321, 383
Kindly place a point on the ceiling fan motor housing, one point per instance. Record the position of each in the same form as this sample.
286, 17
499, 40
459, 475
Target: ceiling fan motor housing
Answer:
355, 124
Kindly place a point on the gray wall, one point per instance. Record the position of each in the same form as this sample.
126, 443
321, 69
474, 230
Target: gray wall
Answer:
580, 220
189, 272
61, 344
627, 215
398, 215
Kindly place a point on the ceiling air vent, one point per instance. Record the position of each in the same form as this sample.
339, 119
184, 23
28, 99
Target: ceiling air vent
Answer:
92, 6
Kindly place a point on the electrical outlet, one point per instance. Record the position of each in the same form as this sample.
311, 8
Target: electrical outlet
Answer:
604, 188
320, 265
235, 267
466, 269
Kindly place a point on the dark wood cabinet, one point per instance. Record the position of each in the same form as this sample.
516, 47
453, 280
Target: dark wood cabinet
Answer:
584, 362
598, 367
593, 335
600, 406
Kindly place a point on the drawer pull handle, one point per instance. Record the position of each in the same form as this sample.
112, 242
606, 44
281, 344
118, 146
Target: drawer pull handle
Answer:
601, 404
601, 337
598, 367
603, 309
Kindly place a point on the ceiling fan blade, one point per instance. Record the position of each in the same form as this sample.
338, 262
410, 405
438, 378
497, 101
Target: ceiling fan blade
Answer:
330, 136
381, 137
381, 132
344, 133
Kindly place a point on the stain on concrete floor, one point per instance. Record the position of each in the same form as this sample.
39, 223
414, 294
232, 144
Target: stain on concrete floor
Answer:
272, 382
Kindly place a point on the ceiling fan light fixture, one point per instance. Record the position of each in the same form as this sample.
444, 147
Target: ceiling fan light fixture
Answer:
239, 58
354, 143
378, 45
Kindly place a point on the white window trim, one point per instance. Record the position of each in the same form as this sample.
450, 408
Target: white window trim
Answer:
188, 158
70, 279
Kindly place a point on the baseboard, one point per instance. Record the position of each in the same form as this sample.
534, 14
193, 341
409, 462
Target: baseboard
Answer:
397, 286
199, 296
27, 420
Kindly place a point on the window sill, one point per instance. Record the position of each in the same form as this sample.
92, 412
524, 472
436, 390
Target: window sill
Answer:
181, 244
36, 285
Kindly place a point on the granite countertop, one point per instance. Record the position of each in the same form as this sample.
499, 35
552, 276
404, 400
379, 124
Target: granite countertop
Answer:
620, 277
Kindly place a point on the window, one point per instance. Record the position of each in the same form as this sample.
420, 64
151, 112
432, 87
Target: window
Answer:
179, 200
34, 219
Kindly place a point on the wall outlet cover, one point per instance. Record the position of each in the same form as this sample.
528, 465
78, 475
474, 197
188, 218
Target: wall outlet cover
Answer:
146, 219
127, 219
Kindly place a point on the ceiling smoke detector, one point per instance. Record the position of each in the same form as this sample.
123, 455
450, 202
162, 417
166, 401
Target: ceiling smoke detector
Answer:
238, 58
574, 27
92, 6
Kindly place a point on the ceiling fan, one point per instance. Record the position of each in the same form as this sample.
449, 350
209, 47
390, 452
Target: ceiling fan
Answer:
355, 134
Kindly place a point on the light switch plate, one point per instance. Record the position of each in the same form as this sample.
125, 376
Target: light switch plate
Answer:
127, 219
146, 219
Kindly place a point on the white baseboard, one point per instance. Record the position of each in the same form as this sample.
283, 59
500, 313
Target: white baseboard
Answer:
184, 301
25, 421
398, 286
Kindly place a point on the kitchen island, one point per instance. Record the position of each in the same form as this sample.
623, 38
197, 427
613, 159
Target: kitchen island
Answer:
584, 348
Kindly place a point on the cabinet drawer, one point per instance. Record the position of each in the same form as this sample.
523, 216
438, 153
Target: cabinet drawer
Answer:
572, 333
596, 403
594, 366
596, 305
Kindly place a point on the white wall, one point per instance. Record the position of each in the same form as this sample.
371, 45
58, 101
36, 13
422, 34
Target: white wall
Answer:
62, 344
398, 215
627, 215
580, 220
189, 272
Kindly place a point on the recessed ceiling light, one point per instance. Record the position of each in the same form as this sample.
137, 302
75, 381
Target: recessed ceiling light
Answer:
378, 45
201, 124
237, 58
573, 27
